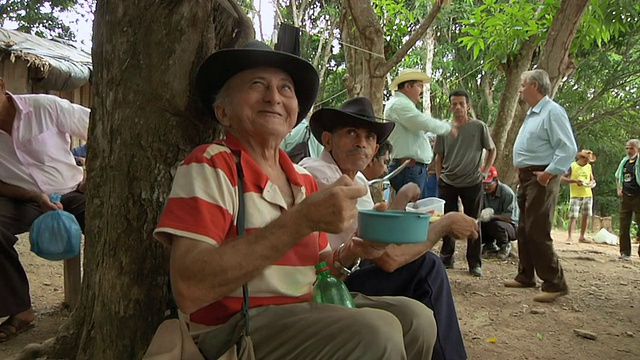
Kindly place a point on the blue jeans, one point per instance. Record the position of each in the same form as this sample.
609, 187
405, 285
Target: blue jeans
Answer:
416, 174
432, 186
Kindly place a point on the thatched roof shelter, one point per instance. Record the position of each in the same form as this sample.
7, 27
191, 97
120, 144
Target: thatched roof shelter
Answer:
53, 65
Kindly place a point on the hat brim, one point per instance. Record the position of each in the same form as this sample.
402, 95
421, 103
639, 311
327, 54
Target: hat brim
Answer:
417, 76
329, 119
222, 65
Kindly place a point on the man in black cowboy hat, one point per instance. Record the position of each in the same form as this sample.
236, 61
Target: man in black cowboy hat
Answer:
351, 135
258, 95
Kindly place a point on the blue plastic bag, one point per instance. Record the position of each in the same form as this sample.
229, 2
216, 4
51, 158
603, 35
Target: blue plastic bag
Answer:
55, 235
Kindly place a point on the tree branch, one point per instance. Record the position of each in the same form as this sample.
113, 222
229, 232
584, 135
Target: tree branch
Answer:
415, 36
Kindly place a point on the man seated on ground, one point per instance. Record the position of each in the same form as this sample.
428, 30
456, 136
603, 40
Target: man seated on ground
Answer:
258, 95
35, 161
350, 135
500, 229
376, 169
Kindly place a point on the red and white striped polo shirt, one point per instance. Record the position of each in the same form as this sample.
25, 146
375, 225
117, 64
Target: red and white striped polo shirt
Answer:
203, 206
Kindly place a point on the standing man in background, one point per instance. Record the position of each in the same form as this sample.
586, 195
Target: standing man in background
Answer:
458, 162
542, 153
408, 136
580, 179
628, 185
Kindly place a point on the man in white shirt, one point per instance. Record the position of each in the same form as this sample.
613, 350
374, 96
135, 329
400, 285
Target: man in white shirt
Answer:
351, 137
35, 161
409, 135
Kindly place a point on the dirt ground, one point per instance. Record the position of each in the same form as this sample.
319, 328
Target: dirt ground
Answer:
498, 323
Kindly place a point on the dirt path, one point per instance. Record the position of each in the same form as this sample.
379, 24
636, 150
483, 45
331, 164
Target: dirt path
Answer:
603, 297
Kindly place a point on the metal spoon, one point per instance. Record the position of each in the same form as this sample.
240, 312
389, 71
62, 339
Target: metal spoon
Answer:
391, 174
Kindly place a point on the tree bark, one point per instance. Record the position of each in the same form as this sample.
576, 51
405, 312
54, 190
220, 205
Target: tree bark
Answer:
507, 109
363, 45
144, 121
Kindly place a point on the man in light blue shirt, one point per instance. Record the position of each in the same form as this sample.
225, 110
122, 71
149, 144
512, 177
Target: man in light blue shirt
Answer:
409, 135
543, 152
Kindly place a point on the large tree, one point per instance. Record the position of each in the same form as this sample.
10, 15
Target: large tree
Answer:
144, 121
363, 39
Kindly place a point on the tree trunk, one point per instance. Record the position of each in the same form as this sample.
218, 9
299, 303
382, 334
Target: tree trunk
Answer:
430, 48
556, 60
507, 108
144, 121
363, 41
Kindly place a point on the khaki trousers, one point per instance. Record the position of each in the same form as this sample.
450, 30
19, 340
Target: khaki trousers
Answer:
386, 327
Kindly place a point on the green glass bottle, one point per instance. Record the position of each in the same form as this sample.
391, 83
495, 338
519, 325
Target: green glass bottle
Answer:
330, 290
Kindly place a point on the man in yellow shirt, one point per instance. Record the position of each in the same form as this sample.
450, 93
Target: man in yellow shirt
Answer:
581, 181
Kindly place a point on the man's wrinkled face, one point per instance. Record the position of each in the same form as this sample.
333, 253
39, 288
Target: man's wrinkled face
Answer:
490, 188
459, 106
414, 92
260, 102
379, 165
527, 90
631, 150
351, 148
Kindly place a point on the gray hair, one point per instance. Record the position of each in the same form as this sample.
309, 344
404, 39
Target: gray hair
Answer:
539, 77
222, 96
635, 143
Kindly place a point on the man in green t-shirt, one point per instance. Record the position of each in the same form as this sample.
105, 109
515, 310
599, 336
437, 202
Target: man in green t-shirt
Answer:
628, 183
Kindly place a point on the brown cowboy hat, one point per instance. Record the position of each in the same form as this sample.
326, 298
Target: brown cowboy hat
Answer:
222, 65
587, 154
357, 112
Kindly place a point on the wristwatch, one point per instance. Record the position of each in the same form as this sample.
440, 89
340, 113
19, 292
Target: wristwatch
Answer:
338, 265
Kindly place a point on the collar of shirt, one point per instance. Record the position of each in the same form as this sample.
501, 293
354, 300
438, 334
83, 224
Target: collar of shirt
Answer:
400, 95
253, 171
536, 109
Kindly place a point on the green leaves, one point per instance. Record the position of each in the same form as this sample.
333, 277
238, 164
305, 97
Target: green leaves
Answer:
503, 26
40, 17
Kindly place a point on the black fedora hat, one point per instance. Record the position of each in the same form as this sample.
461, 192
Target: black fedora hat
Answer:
357, 112
222, 65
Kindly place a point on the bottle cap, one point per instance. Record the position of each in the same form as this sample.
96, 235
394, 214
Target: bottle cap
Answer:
322, 267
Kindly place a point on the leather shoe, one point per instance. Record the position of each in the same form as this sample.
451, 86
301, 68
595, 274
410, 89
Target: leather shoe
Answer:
476, 271
512, 283
545, 296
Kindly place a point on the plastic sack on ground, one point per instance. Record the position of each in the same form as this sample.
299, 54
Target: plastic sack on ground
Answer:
605, 237
55, 235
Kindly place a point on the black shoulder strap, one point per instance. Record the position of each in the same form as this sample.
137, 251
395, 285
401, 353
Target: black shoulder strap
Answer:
172, 307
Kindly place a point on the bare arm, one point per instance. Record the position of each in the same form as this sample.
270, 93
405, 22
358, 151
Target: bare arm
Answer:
438, 160
491, 158
19, 193
455, 224
202, 274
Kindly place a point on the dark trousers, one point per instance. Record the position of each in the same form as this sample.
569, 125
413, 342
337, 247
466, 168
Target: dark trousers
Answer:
16, 217
471, 198
416, 174
498, 231
425, 280
535, 246
629, 204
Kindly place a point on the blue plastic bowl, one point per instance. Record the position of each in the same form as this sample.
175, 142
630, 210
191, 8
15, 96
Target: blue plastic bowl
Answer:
392, 226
